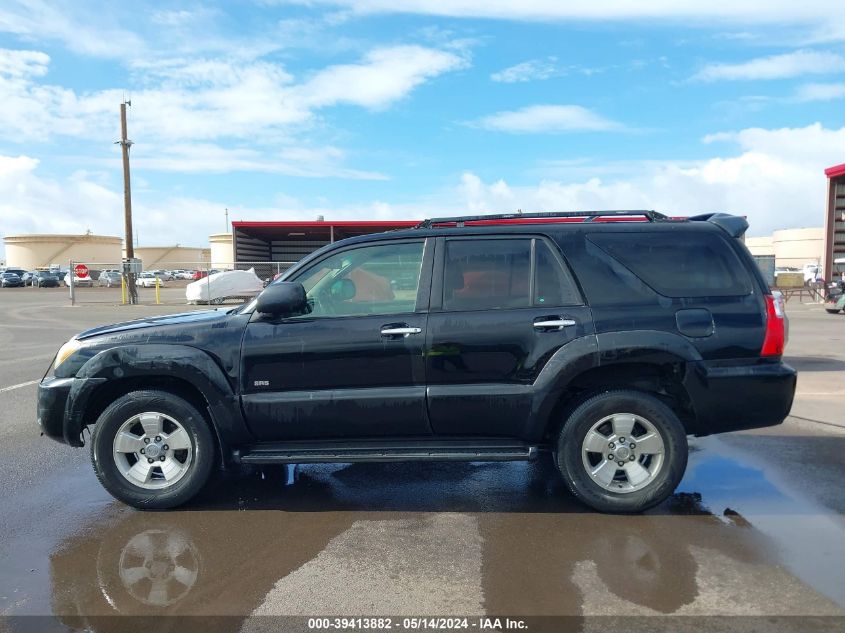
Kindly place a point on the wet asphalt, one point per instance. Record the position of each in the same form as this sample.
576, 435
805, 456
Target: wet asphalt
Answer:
756, 527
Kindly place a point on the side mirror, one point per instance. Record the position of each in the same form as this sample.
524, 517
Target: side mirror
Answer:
283, 298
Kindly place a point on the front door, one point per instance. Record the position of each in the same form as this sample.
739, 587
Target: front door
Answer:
500, 307
353, 366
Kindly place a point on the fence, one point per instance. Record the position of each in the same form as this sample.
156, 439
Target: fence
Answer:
167, 284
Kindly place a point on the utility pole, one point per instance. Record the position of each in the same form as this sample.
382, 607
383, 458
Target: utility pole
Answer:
125, 144
227, 219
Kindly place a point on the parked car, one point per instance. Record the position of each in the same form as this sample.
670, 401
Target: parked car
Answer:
109, 278
148, 280
218, 287
10, 280
46, 279
199, 274
79, 282
604, 343
20, 272
28, 277
162, 274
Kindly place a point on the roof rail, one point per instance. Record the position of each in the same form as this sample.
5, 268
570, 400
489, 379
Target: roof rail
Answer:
733, 225
589, 216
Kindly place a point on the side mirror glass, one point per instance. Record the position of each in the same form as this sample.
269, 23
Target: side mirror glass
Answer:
284, 298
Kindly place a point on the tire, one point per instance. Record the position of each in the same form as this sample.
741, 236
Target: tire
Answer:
832, 310
613, 488
120, 466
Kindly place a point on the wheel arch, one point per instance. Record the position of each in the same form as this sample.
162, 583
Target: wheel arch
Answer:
652, 362
185, 371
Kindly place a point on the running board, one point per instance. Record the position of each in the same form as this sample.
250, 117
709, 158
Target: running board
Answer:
350, 452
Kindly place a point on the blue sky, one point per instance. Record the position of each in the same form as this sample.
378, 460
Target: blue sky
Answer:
391, 109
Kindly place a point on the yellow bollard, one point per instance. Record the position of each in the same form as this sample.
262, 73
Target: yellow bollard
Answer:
122, 290
158, 294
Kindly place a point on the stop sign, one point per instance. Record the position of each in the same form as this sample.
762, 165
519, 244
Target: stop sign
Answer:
80, 270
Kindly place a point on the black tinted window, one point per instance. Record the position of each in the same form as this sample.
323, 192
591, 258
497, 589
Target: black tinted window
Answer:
678, 263
552, 284
487, 274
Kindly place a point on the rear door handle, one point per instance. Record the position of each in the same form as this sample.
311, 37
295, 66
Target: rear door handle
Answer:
396, 330
549, 322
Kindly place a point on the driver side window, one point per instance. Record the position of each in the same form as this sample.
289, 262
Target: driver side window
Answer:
379, 279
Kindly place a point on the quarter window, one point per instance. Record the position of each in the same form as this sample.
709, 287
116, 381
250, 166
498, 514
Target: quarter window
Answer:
381, 279
678, 263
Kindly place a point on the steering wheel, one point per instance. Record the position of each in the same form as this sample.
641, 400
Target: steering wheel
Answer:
321, 304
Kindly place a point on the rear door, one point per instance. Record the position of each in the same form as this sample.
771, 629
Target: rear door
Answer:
500, 307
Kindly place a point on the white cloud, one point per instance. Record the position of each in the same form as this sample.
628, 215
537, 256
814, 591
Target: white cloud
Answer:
201, 100
85, 30
547, 119
189, 107
795, 64
530, 70
816, 13
19, 63
383, 76
776, 180
820, 92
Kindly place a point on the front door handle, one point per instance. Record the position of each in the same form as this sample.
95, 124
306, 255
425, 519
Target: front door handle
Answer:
557, 323
395, 330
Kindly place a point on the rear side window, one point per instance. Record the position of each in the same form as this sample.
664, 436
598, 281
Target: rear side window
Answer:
487, 274
678, 263
495, 274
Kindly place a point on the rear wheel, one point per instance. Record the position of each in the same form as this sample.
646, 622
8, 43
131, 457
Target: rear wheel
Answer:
832, 310
622, 451
152, 449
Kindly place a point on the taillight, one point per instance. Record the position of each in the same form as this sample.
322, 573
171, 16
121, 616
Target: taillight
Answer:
775, 331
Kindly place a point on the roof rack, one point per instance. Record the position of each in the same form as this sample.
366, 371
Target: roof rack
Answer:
503, 218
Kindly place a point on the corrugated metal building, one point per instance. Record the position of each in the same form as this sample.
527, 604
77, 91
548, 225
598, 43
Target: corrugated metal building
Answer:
834, 220
291, 241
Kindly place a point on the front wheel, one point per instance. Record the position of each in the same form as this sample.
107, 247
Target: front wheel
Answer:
832, 310
152, 450
622, 451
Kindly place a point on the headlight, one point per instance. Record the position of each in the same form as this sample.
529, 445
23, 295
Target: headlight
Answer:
65, 351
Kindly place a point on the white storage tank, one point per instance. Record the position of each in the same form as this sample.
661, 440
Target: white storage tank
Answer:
42, 250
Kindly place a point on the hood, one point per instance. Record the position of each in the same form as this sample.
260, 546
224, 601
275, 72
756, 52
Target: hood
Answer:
183, 318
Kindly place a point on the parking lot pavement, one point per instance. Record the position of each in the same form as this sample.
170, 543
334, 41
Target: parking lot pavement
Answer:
756, 527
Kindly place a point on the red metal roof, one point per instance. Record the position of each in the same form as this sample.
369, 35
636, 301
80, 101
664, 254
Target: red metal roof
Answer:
835, 171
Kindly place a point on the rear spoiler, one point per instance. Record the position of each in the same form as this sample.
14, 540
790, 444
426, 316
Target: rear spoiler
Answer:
733, 225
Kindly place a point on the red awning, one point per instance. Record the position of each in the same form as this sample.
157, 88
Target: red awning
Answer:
835, 171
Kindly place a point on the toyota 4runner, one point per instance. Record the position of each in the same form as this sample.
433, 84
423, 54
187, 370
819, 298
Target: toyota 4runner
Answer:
604, 338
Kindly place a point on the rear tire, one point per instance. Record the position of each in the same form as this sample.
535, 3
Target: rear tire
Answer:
648, 444
832, 310
133, 460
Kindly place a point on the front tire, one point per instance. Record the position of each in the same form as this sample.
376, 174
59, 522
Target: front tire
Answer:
832, 310
152, 450
622, 452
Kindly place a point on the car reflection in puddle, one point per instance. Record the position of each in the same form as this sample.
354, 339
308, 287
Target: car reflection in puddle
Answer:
542, 552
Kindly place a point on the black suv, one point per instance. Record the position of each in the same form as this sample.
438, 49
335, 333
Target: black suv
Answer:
604, 338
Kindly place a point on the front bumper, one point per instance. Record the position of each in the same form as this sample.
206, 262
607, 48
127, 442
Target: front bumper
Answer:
52, 401
737, 397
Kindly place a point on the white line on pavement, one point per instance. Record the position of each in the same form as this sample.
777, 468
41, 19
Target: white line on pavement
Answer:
23, 384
